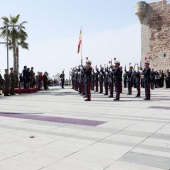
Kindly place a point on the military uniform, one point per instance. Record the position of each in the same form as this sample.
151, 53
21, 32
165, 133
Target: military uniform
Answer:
106, 81
146, 73
101, 73
88, 71
32, 77
12, 82
96, 79
167, 79
62, 76
16, 79
7, 83
137, 82
152, 78
111, 81
117, 75
1, 84
129, 80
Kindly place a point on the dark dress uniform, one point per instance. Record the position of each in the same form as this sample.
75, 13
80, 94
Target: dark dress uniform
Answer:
111, 83
106, 82
167, 79
96, 79
7, 83
1, 84
137, 82
62, 76
117, 76
32, 76
87, 72
12, 83
101, 74
152, 79
129, 81
146, 73
25, 76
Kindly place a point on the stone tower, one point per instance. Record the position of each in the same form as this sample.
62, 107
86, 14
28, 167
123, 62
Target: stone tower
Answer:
155, 33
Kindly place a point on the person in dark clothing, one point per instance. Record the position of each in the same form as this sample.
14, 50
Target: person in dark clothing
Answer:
25, 75
62, 77
152, 78
88, 71
45, 79
137, 81
117, 75
129, 80
167, 79
146, 73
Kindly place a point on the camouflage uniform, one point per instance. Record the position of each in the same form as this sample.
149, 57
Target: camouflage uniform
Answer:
7, 83
16, 79
0, 84
12, 83
32, 75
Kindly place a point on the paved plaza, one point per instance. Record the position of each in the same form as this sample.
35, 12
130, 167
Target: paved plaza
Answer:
57, 130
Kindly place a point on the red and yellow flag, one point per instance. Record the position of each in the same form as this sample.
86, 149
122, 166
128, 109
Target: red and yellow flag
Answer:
80, 42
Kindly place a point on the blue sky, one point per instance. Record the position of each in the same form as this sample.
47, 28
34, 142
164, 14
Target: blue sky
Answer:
110, 30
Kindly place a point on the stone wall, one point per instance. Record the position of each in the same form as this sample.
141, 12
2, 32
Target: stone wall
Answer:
155, 34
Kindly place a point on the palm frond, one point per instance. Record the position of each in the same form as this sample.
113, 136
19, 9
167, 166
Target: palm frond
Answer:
5, 20
14, 20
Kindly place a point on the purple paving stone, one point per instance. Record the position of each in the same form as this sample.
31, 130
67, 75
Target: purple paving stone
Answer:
53, 119
160, 107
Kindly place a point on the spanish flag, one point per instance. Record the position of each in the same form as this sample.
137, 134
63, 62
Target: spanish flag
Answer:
80, 42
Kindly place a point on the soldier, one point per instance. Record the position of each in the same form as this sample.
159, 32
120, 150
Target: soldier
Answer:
25, 75
88, 71
125, 79
28, 78
79, 80
121, 73
152, 78
146, 73
106, 81
1, 84
137, 81
117, 74
129, 80
45, 80
101, 73
111, 81
62, 77
16, 79
12, 82
32, 77
7, 83
92, 79
96, 79
167, 79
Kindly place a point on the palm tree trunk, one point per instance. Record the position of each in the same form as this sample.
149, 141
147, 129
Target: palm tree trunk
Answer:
14, 54
17, 59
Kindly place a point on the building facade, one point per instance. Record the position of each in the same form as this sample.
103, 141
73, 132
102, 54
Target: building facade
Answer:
155, 33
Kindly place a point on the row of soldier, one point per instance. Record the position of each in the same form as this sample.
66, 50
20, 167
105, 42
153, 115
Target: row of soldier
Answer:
110, 79
27, 79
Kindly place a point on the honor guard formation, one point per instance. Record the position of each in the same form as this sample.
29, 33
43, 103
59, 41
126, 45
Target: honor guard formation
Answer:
110, 79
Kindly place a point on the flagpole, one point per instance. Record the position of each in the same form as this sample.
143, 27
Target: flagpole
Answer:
81, 47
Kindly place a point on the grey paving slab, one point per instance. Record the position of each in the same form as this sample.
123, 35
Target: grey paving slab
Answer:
146, 159
134, 134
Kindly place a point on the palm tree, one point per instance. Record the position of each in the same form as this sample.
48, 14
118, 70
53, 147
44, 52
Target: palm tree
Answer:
17, 37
